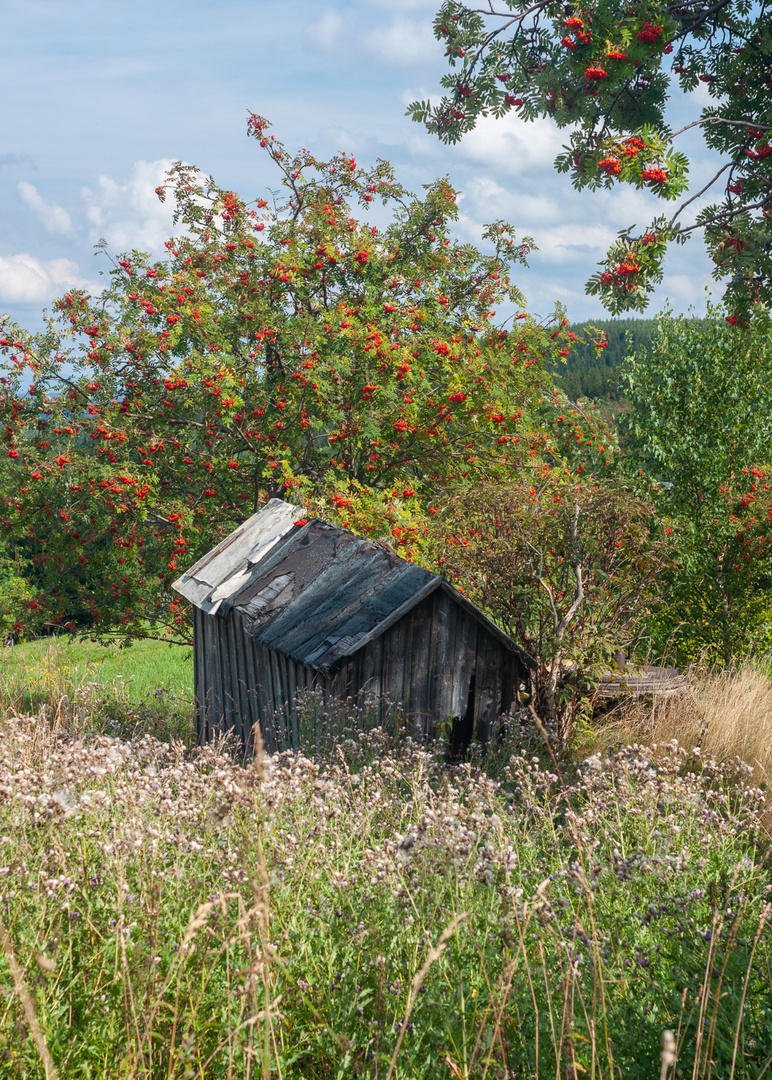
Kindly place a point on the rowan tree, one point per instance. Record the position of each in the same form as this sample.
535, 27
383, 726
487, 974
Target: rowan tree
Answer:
605, 69
283, 346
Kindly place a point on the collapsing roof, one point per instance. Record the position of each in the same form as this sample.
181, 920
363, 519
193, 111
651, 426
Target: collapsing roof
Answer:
312, 591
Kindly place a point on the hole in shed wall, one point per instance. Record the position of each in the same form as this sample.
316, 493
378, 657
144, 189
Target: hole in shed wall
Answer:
463, 726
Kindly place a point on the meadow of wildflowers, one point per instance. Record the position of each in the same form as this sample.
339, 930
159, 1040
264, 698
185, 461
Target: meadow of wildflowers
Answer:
371, 911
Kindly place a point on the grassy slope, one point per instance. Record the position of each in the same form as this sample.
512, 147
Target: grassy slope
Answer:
144, 689
144, 667
373, 913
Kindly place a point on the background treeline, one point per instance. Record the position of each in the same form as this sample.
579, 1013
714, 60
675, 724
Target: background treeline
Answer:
594, 373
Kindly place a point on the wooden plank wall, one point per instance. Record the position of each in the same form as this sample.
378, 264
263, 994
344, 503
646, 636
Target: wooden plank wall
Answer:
424, 665
239, 684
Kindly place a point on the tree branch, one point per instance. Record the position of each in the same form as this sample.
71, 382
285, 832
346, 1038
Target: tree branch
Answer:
709, 184
565, 622
720, 120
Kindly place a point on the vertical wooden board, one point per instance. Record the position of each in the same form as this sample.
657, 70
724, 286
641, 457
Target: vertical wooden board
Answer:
236, 685
237, 673
368, 716
395, 648
366, 670
236, 722
302, 680
352, 677
215, 720
339, 680
263, 687
223, 627
442, 652
270, 719
292, 693
240, 642
199, 676
203, 681
464, 661
253, 697
386, 661
482, 701
216, 686
290, 716
510, 669
419, 644
488, 685
284, 733
370, 676
205, 677
375, 682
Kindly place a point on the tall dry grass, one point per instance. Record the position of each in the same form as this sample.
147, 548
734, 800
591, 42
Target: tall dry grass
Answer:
727, 714
373, 912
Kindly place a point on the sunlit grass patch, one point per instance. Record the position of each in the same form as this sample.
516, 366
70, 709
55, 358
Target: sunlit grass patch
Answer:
727, 713
146, 687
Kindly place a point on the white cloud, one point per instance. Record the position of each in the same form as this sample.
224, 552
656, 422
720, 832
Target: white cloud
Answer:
130, 215
574, 242
488, 200
25, 279
426, 7
685, 290
325, 33
510, 146
54, 218
404, 43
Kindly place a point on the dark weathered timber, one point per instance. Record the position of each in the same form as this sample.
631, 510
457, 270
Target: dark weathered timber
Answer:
643, 681
240, 642
281, 608
397, 665
212, 697
371, 673
442, 656
265, 695
230, 653
278, 699
228, 677
419, 649
488, 687
466, 661
199, 675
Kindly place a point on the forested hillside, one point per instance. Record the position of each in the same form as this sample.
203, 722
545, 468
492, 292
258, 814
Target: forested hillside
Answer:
594, 373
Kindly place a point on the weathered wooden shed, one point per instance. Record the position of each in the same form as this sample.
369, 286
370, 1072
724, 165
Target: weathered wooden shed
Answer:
281, 606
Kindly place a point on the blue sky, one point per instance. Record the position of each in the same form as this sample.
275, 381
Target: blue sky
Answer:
102, 96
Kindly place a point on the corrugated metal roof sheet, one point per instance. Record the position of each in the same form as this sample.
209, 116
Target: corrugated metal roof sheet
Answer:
315, 592
215, 576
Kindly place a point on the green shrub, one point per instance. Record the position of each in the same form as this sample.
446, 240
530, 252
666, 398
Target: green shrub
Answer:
19, 607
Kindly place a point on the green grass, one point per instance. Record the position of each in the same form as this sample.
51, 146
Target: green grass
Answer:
146, 687
144, 667
374, 913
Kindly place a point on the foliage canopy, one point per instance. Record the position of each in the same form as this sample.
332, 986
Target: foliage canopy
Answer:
700, 428
283, 348
605, 69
